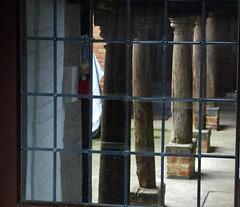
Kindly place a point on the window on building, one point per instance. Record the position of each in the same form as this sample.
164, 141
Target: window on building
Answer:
129, 102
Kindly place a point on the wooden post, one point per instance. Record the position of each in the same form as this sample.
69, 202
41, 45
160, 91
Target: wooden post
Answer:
182, 80
196, 68
211, 58
112, 167
142, 110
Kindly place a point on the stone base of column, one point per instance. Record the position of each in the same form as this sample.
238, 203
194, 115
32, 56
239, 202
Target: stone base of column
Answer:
206, 134
146, 196
181, 167
212, 117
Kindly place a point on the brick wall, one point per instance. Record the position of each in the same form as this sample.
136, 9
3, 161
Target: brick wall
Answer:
99, 50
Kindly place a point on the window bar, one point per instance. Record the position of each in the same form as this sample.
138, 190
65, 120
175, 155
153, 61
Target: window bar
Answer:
122, 153
126, 177
127, 108
162, 157
201, 95
237, 145
90, 101
22, 65
55, 99
164, 69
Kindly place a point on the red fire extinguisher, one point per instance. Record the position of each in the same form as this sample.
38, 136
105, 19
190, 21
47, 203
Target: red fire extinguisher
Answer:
83, 86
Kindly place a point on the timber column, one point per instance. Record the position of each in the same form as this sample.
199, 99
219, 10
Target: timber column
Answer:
196, 69
112, 166
147, 192
142, 111
182, 142
212, 111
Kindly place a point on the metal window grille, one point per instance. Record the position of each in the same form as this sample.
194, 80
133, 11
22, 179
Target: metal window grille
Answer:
127, 98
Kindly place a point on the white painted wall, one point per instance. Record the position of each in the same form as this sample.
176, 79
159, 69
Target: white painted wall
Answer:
39, 111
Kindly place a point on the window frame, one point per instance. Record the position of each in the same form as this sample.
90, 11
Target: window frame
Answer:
10, 93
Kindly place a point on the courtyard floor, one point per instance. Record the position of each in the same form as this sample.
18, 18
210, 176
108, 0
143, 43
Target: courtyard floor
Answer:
217, 174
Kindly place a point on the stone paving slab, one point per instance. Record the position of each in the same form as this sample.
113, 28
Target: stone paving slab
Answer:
219, 199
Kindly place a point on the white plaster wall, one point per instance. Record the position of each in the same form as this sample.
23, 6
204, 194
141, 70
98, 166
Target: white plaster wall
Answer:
39, 111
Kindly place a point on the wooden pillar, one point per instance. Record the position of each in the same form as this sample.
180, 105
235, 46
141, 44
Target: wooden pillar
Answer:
196, 68
182, 80
182, 141
211, 58
112, 167
142, 110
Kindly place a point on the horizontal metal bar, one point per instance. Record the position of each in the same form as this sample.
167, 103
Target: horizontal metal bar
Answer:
124, 152
43, 149
220, 99
74, 39
36, 94
111, 41
129, 98
38, 38
221, 43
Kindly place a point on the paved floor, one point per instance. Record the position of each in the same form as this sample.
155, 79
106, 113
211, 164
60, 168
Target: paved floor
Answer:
217, 175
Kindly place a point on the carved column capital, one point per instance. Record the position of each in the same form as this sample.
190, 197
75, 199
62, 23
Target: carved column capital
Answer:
183, 28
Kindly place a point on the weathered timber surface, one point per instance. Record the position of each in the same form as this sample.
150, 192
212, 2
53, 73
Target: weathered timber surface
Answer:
111, 176
142, 110
196, 67
182, 80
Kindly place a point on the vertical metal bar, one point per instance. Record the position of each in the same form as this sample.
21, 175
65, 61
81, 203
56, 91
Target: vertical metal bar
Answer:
90, 177
22, 56
237, 164
127, 107
55, 98
128, 20
127, 131
203, 49
91, 71
54, 149
199, 182
162, 181
90, 102
126, 177
162, 156
201, 95
164, 70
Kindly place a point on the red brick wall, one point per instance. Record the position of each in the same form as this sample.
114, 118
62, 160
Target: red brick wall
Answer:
99, 50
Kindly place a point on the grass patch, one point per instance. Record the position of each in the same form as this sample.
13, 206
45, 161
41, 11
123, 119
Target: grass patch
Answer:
96, 141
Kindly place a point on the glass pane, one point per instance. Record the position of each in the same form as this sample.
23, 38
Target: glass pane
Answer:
73, 18
69, 123
182, 141
71, 79
181, 192
69, 177
109, 125
183, 15
38, 18
218, 181
37, 175
222, 120
147, 70
95, 177
217, 22
146, 126
145, 181
111, 17
147, 20
37, 68
108, 179
37, 121
181, 70
114, 58
221, 71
